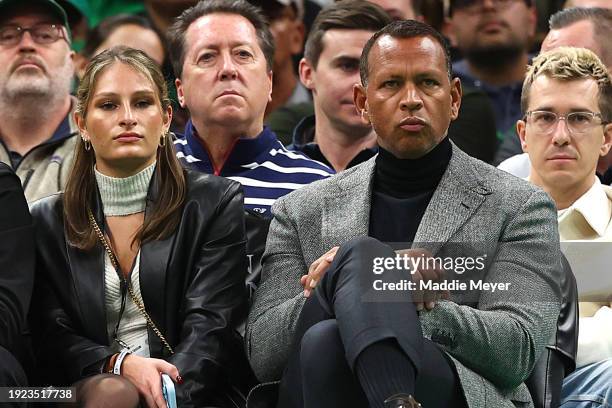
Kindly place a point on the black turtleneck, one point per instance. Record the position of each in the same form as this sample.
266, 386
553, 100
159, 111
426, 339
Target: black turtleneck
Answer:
402, 191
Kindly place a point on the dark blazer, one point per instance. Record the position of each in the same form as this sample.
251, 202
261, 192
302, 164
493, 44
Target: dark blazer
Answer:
16, 259
192, 284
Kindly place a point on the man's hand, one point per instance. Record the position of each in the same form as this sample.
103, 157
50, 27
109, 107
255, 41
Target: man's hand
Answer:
317, 270
426, 272
145, 374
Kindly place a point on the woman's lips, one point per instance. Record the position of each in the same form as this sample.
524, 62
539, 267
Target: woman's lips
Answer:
128, 137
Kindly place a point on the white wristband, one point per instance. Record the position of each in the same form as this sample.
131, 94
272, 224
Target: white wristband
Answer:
119, 361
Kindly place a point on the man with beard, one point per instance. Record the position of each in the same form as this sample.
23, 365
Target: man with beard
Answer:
494, 38
37, 134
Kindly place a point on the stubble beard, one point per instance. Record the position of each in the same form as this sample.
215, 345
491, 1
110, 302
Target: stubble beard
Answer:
36, 90
494, 57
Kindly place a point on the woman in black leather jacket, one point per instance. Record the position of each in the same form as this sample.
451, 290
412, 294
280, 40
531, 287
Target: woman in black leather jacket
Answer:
140, 264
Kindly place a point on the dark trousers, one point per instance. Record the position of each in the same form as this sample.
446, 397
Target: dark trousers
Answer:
11, 374
342, 317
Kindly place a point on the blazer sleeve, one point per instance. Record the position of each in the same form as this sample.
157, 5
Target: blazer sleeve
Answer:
514, 325
16, 258
64, 352
214, 297
278, 300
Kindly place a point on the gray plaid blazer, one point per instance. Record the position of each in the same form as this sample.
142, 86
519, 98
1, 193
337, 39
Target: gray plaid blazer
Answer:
494, 340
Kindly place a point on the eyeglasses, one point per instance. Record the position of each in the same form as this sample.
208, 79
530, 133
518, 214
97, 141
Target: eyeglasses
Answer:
476, 5
575, 122
40, 33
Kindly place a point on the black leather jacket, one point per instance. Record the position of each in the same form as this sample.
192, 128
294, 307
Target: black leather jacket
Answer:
192, 284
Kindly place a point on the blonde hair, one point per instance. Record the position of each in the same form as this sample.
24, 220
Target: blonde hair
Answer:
569, 64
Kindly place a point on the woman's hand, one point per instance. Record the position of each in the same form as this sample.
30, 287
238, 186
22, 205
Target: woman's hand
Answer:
145, 374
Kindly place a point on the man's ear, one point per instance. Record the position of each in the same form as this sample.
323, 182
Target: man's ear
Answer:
456, 94
360, 100
306, 74
180, 92
270, 78
607, 140
80, 63
520, 130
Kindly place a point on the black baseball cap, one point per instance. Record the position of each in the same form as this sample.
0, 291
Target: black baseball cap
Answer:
51, 5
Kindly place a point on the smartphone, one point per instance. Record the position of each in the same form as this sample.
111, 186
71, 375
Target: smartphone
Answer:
168, 391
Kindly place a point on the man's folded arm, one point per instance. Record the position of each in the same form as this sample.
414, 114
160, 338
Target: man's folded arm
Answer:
502, 338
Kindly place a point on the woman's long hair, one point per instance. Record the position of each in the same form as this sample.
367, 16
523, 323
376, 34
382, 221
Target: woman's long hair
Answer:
81, 189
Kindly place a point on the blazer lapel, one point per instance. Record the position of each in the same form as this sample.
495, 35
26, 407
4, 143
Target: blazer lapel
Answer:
154, 264
457, 197
87, 268
346, 214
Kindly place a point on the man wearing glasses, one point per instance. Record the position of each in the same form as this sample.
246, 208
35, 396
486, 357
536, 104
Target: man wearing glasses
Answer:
494, 38
37, 134
572, 86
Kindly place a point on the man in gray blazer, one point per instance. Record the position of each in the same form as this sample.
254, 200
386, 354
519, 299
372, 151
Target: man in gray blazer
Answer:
420, 189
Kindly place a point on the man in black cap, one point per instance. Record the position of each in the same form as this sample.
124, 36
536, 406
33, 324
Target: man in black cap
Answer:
37, 134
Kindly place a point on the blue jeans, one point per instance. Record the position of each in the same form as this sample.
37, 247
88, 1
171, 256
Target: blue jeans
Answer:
588, 387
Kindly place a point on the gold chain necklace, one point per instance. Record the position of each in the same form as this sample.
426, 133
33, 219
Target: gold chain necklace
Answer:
128, 284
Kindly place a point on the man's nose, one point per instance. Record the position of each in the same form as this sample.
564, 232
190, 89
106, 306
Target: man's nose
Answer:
26, 42
228, 67
561, 133
411, 100
487, 4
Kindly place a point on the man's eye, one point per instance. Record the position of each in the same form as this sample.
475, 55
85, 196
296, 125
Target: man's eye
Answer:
8, 35
244, 54
430, 82
545, 117
348, 67
205, 58
44, 36
579, 117
392, 83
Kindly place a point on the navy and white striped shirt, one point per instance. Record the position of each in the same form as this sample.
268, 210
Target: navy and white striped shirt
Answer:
264, 167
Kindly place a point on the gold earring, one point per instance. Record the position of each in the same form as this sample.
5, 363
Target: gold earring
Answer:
86, 144
162, 140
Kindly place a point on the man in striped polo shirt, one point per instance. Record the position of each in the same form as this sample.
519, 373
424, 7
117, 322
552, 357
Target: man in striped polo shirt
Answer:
222, 55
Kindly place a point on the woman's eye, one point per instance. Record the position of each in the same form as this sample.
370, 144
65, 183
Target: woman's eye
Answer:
143, 104
107, 106
244, 54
